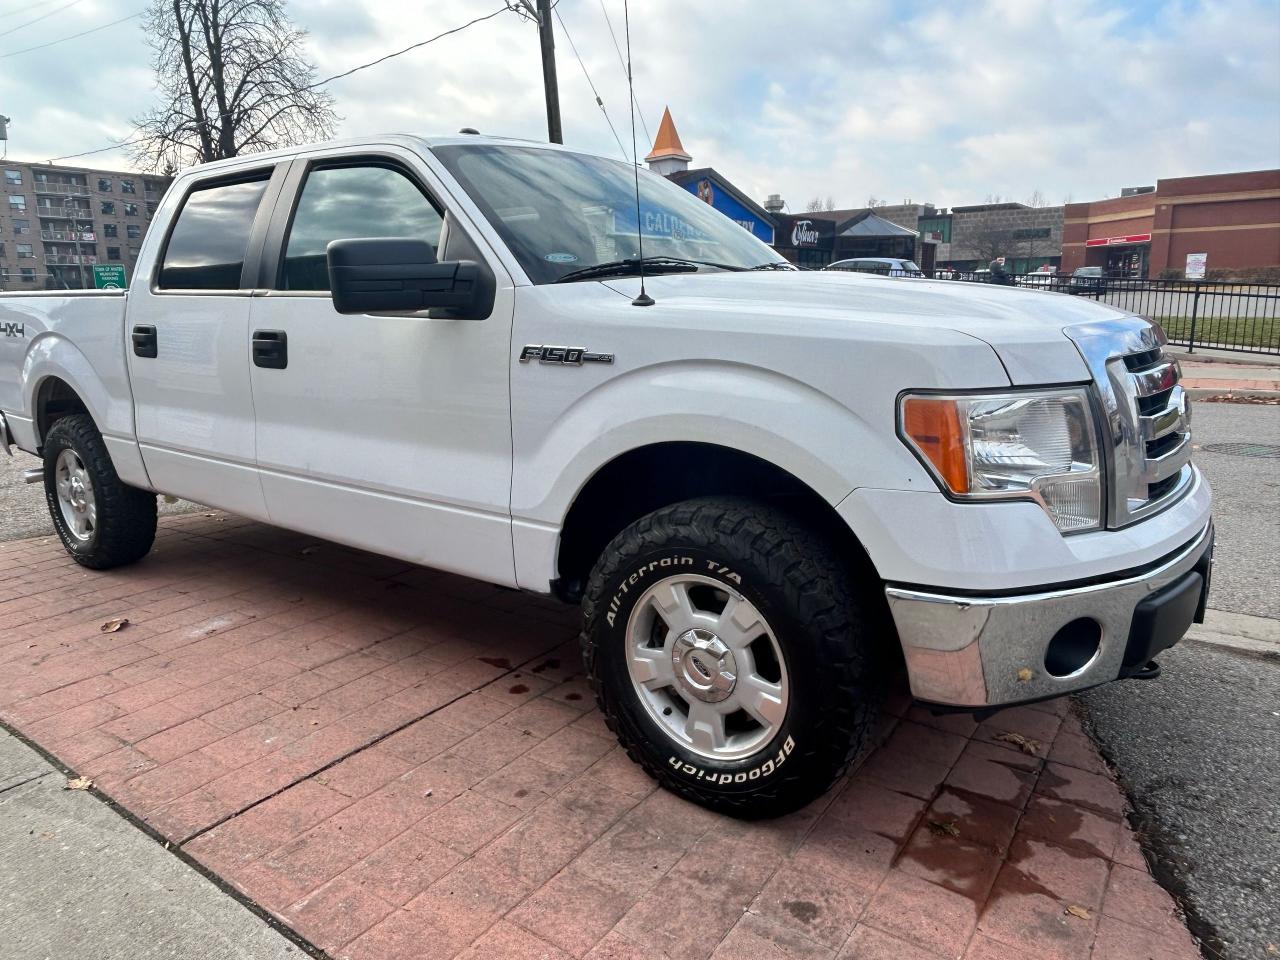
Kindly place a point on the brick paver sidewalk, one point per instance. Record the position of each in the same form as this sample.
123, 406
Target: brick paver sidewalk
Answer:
404, 764
1230, 377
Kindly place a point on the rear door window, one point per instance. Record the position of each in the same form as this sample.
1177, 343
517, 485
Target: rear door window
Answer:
207, 246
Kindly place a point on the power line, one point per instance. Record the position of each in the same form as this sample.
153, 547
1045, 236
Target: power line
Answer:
82, 33
438, 36
626, 69
318, 83
43, 16
574, 47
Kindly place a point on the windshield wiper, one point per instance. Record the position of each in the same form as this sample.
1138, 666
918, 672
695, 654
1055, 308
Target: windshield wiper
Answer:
773, 265
631, 265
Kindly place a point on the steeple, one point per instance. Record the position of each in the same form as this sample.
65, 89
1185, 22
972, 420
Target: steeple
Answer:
668, 154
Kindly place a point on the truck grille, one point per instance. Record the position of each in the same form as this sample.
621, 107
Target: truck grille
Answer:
1146, 416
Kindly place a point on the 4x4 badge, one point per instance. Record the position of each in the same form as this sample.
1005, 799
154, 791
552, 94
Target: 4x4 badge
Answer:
574, 356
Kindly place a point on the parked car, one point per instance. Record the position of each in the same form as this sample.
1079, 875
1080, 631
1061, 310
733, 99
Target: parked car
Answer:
1042, 279
765, 487
1087, 280
885, 266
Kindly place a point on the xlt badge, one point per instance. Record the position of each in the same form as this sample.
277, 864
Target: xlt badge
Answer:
574, 356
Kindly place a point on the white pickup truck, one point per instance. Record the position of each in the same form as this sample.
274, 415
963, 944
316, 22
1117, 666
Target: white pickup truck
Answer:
767, 488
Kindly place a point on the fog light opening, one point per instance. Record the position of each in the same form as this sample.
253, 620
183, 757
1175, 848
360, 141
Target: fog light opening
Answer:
1073, 648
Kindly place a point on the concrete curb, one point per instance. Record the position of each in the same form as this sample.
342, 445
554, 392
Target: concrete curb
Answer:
1208, 355
1238, 631
1199, 393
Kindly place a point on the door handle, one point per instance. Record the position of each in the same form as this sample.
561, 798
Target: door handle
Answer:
271, 349
145, 343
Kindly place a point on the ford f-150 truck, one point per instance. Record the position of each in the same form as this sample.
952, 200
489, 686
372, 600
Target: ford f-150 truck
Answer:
768, 489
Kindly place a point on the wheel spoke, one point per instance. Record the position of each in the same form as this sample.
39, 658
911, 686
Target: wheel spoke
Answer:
91, 515
652, 668
762, 699
672, 602
705, 726
739, 624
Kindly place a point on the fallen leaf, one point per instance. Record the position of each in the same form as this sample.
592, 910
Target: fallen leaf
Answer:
1026, 744
111, 626
944, 828
1024, 675
78, 783
169, 499
1080, 912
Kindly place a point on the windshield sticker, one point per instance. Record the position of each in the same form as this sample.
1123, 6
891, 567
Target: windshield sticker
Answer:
561, 258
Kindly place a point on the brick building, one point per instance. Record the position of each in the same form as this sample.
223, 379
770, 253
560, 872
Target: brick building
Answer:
57, 221
1233, 219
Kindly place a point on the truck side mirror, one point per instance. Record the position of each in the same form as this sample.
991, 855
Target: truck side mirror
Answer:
395, 275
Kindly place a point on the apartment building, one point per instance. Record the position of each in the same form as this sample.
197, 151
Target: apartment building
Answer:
57, 221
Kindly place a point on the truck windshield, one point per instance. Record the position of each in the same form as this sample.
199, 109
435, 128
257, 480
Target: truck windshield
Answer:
561, 211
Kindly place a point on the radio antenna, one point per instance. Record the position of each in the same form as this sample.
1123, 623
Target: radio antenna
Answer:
643, 300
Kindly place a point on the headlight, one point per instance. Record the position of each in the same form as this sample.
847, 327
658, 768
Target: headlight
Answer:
1037, 446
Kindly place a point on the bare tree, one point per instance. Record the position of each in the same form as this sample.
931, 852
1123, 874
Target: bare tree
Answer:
233, 78
817, 205
873, 203
1037, 199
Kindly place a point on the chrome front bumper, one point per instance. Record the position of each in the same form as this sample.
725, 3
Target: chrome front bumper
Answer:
976, 651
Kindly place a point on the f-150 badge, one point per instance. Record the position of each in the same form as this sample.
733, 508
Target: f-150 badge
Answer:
572, 356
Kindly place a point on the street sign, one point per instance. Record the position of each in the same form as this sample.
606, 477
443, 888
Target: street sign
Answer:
108, 276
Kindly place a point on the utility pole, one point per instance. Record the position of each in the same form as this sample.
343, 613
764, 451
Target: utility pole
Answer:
551, 87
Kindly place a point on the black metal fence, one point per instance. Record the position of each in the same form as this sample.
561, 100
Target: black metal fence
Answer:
1216, 314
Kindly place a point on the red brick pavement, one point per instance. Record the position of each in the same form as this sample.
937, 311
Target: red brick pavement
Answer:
401, 763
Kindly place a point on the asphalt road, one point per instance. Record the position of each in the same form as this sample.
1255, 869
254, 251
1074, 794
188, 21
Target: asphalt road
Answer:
1198, 750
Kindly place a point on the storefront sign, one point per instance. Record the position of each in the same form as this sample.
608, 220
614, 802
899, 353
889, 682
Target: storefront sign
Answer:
1196, 264
804, 234
714, 192
1112, 241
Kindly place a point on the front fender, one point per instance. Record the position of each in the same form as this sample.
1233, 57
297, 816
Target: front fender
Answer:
774, 417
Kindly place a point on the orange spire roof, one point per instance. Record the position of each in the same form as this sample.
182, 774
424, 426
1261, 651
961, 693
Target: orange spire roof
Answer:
667, 143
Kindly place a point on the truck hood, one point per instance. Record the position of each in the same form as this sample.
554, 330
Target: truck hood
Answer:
1024, 327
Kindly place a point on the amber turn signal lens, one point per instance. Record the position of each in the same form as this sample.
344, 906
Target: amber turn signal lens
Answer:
933, 426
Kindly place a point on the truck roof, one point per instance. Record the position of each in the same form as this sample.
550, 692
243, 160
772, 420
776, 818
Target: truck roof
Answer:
401, 139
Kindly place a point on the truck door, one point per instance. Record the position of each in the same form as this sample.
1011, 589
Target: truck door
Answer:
390, 433
186, 339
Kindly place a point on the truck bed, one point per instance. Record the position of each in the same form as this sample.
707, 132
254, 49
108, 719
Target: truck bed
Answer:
76, 336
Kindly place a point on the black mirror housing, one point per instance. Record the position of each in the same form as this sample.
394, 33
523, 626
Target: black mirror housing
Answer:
403, 276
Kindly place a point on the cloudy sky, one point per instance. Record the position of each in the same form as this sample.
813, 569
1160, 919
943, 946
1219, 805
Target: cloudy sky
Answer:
840, 98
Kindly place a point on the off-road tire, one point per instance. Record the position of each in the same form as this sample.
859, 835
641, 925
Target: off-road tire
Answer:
126, 526
825, 630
